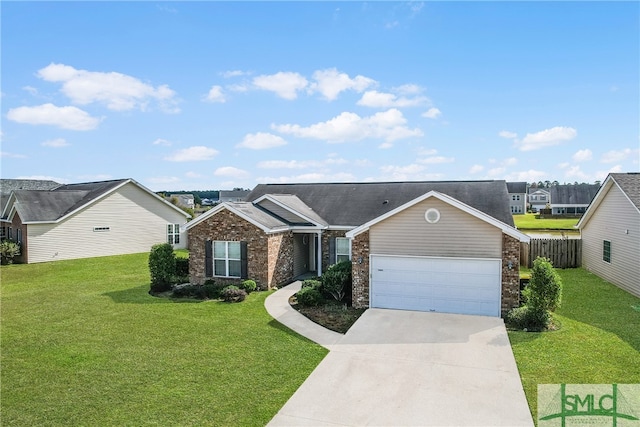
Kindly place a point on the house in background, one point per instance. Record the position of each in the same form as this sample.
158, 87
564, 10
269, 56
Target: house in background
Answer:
539, 198
233, 195
430, 246
517, 197
184, 200
610, 231
571, 199
90, 219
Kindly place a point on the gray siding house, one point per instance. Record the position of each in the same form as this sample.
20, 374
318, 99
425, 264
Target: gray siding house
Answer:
89, 220
571, 199
517, 197
610, 230
431, 246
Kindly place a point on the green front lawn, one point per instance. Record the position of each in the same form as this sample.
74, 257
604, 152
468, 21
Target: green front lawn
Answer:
598, 342
530, 222
83, 343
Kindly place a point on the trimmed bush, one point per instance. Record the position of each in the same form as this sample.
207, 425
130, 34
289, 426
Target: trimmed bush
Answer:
336, 281
233, 293
8, 251
162, 267
248, 286
188, 291
213, 290
311, 283
528, 318
182, 267
309, 297
544, 291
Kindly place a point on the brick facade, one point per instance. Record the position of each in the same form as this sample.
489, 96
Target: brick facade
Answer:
510, 276
327, 235
360, 270
269, 257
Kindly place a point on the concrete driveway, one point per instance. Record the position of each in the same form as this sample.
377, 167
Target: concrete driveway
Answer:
401, 368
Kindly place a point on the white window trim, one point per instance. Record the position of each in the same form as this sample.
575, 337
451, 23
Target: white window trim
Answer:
342, 254
173, 237
603, 253
226, 258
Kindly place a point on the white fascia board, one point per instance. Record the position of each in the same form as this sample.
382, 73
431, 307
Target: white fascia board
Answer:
568, 205
306, 228
341, 227
283, 206
10, 203
507, 229
597, 199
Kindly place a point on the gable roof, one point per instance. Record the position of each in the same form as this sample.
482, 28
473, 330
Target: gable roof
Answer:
577, 194
628, 183
509, 230
294, 205
37, 206
516, 187
249, 212
352, 204
9, 185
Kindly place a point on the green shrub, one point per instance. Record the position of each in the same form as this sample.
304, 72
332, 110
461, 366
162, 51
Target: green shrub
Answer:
233, 293
311, 283
248, 286
188, 291
544, 291
309, 297
182, 267
162, 267
8, 251
528, 318
213, 290
336, 281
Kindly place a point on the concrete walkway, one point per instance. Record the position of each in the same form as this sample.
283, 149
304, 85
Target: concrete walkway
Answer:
406, 368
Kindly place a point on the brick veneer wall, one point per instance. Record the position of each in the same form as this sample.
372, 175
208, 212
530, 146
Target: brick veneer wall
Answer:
326, 236
360, 270
267, 258
510, 277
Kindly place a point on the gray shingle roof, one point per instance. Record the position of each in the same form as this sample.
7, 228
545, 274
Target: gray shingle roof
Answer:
258, 215
630, 184
516, 187
9, 185
294, 203
580, 194
353, 204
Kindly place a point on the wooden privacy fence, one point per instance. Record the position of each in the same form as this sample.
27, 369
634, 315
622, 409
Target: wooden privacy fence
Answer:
563, 253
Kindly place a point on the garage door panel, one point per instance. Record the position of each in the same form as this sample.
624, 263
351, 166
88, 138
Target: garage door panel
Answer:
449, 285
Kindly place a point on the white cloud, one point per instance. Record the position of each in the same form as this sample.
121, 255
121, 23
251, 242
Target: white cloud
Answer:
432, 113
234, 73
408, 89
575, 173
373, 98
385, 145
546, 138
564, 165
507, 134
412, 172
388, 125
476, 169
601, 175
436, 160
163, 180
32, 90
71, 118
117, 91
285, 84
310, 177
192, 154
12, 155
162, 142
55, 143
215, 95
582, 155
232, 172
531, 175
330, 83
426, 151
300, 164
496, 172
238, 88
511, 161
261, 141
194, 175
614, 156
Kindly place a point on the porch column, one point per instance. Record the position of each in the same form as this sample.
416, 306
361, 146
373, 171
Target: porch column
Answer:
319, 254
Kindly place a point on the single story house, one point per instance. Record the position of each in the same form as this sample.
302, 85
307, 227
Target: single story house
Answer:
610, 231
517, 197
90, 219
429, 246
571, 199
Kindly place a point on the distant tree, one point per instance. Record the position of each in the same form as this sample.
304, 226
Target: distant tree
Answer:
540, 184
597, 182
534, 185
196, 199
547, 184
554, 183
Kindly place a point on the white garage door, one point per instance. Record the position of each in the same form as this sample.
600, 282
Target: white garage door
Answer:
446, 285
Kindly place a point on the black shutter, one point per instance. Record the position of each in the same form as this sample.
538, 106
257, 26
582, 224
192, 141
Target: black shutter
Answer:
208, 258
244, 267
332, 250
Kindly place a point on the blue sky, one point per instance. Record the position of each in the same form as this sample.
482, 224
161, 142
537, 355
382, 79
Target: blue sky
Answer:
216, 95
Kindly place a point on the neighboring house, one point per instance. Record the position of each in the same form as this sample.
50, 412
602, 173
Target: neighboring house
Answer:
90, 219
517, 197
233, 196
539, 198
184, 200
571, 199
430, 246
610, 231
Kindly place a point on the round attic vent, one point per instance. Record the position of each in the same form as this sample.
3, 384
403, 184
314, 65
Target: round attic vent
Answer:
432, 215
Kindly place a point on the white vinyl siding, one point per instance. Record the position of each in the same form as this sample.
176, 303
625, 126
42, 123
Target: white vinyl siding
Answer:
226, 259
618, 221
136, 221
456, 234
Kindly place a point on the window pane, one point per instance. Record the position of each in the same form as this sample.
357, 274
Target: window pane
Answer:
170, 228
341, 258
235, 269
342, 246
176, 239
170, 239
219, 249
234, 250
220, 268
